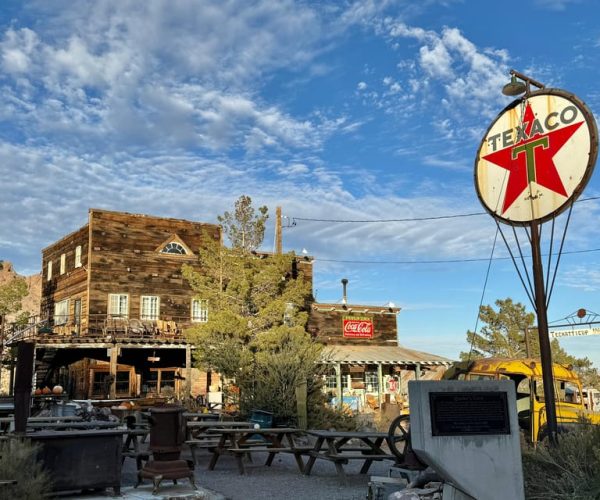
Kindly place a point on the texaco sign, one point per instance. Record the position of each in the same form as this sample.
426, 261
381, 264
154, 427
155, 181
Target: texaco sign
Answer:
536, 157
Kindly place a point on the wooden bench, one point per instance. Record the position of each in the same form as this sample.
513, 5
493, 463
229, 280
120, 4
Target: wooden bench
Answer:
357, 456
208, 444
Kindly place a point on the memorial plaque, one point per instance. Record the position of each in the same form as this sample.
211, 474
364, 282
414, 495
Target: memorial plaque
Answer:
469, 413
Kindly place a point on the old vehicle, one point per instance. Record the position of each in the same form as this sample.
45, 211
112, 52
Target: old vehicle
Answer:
591, 399
527, 376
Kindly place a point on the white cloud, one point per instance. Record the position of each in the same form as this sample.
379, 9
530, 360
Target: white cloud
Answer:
585, 278
125, 72
361, 86
471, 78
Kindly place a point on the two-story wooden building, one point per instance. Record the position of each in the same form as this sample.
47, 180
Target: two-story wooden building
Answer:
118, 303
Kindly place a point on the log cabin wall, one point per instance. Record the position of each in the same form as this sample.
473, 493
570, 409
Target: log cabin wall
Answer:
72, 283
126, 258
325, 323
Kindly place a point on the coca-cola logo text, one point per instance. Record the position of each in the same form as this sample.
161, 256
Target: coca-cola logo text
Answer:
358, 328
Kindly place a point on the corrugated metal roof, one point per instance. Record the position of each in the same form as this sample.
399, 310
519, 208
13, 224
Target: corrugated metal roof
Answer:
387, 355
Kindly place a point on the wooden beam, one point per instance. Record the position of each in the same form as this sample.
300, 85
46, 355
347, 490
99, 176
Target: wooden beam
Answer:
114, 353
188, 371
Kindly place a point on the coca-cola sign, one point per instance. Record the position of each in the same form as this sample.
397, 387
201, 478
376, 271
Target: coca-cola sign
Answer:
358, 327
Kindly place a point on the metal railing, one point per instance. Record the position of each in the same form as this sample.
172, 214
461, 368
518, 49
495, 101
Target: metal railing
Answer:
15, 332
102, 326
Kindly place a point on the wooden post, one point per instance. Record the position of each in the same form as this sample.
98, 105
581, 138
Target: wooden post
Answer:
302, 409
24, 377
114, 353
338, 384
188, 371
379, 384
418, 371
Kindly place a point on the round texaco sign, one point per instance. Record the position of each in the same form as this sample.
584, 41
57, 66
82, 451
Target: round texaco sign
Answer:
536, 157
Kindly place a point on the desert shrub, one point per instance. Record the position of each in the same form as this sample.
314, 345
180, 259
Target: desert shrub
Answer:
568, 471
18, 461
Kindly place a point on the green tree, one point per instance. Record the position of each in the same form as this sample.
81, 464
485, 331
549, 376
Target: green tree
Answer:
11, 295
255, 334
509, 332
244, 228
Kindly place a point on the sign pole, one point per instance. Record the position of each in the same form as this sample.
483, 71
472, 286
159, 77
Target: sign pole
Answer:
545, 351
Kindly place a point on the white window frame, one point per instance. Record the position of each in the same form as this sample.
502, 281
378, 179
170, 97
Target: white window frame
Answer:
149, 307
199, 311
63, 263
61, 312
121, 301
78, 256
49, 275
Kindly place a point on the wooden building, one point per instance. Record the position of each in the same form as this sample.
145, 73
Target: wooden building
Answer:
114, 293
368, 366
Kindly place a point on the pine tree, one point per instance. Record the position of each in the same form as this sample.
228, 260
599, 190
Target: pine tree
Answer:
255, 333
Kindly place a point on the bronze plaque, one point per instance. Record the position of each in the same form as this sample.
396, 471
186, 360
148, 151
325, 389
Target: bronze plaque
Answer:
469, 413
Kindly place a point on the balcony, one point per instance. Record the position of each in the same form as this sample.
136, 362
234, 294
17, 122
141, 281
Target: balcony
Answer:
100, 327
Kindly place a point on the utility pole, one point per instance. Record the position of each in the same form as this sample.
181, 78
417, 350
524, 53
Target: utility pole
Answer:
278, 237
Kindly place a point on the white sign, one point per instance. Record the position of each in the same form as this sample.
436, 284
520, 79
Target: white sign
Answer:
536, 157
579, 332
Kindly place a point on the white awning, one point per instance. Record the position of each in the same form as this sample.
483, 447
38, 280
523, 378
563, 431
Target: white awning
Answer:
375, 354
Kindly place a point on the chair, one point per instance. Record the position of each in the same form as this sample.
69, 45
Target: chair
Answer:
136, 328
115, 326
372, 401
150, 328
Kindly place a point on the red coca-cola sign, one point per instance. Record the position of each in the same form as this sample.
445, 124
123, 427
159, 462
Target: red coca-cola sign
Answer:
358, 327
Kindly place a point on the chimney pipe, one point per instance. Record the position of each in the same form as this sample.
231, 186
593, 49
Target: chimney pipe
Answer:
344, 297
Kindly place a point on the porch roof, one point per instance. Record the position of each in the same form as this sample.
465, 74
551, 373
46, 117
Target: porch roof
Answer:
374, 354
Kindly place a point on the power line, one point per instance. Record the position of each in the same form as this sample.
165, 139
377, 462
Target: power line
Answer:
449, 261
408, 219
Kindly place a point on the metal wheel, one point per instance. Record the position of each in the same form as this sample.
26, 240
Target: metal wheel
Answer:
398, 436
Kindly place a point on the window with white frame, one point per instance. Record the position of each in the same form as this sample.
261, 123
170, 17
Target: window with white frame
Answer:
118, 305
49, 275
61, 312
371, 381
199, 310
63, 263
330, 379
78, 256
150, 307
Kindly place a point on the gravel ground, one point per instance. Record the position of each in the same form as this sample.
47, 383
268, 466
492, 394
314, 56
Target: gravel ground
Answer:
282, 480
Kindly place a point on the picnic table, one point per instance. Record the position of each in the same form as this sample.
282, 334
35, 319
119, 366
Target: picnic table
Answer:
194, 428
82, 425
8, 423
340, 446
199, 437
239, 442
132, 447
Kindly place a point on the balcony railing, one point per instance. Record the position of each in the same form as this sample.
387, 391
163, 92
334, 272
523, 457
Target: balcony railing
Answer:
100, 326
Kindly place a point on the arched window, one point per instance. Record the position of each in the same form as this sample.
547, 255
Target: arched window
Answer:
174, 248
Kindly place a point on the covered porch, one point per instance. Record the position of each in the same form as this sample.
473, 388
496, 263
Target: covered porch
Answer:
368, 376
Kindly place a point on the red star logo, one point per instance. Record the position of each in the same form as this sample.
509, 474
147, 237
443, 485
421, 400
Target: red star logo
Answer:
531, 159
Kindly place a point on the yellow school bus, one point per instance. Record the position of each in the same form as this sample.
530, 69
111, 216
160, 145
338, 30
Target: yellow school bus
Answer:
527, 376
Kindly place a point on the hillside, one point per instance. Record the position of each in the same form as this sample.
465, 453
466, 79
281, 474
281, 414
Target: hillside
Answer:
31, 303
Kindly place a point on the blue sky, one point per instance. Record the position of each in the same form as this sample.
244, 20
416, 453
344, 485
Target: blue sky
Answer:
333, 110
